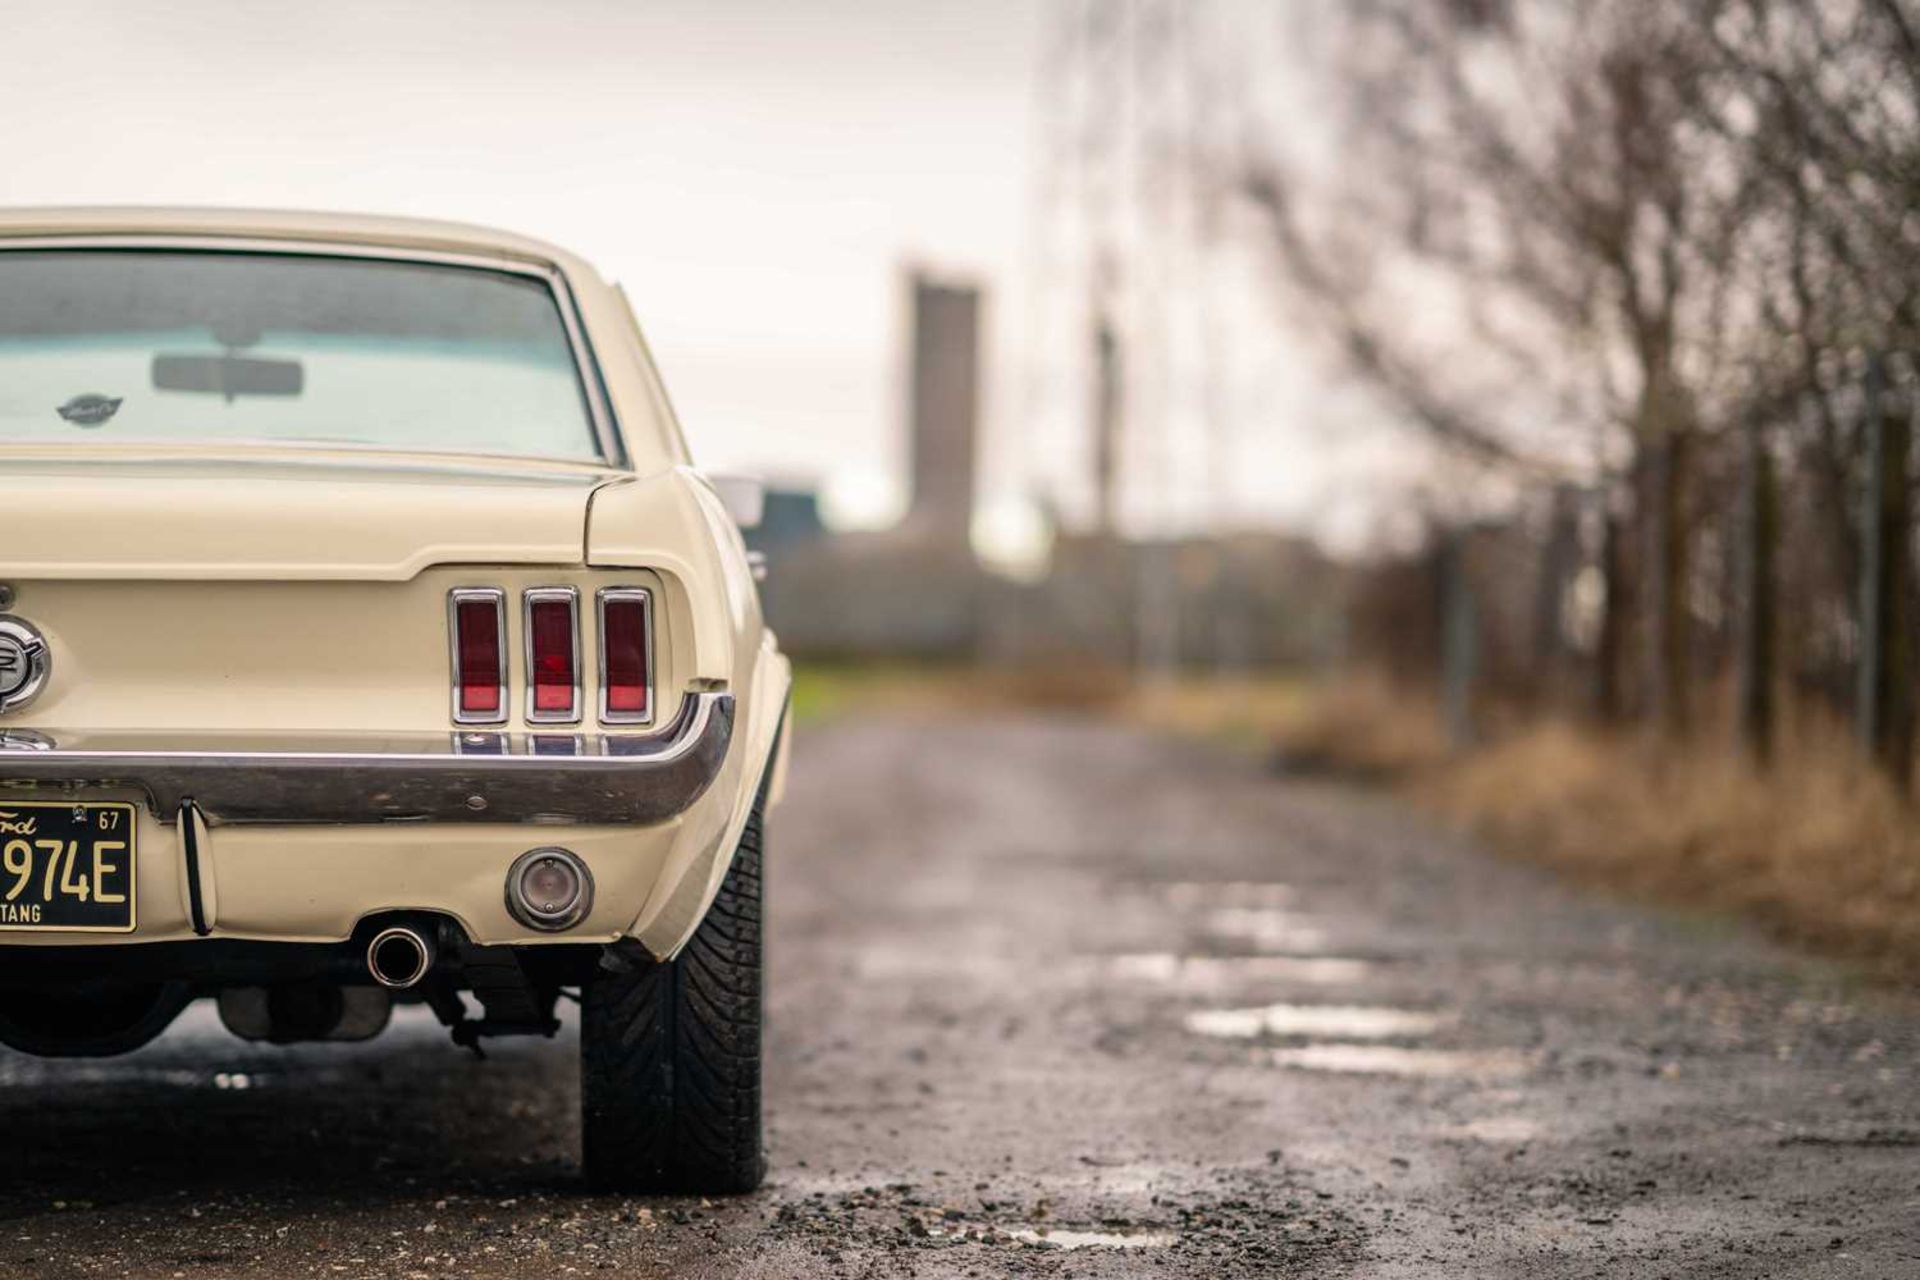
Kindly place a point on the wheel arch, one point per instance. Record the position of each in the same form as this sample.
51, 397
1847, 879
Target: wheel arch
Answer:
681, 897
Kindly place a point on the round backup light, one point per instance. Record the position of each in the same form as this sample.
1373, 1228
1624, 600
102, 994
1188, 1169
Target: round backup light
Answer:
549, 889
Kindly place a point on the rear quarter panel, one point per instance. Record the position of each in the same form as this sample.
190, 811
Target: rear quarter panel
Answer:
675, 524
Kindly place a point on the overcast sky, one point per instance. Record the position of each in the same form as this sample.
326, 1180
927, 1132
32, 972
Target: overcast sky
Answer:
755, 171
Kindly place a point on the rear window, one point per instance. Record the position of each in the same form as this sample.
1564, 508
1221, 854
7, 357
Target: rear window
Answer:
190, 347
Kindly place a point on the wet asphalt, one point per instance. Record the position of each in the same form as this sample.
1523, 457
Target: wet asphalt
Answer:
1058, 998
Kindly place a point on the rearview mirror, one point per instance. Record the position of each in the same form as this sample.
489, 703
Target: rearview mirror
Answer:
228, 375
744, 497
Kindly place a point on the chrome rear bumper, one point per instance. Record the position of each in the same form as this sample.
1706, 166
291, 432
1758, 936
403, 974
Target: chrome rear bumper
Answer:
459, 777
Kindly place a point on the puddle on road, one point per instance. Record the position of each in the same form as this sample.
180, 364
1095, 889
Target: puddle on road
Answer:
1356, 1022
1227, 893
1060, 1237
1268, 929
1076, 1238
32, 1073
889, 963
1230, 971
1495, 1129
1389, 1060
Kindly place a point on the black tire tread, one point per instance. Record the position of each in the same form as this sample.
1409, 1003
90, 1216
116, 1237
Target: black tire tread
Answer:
670, 1053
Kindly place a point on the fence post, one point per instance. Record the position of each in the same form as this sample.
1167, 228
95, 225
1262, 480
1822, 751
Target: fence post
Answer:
1610, 645
1459, 641
1667, 653
1757, 536
1883, 700
1558, 560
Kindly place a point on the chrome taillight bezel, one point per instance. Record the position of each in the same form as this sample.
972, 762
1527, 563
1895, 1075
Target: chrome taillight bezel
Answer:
625, 595
498, 599
569, 596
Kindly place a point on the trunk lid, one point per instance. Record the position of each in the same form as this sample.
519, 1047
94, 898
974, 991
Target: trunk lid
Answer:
279, 520
190, 594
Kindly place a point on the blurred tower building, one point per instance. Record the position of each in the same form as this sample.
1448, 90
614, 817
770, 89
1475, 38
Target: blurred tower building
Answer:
944, 408
914, 590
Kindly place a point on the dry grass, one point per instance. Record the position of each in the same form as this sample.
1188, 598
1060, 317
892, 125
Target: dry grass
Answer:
824, 690
1362, 728
1253, 711
1819, 848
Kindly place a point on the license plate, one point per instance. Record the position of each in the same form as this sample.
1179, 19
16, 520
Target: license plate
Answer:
66, 866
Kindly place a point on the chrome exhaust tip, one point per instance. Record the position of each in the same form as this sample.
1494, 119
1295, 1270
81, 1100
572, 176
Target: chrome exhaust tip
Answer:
399, 957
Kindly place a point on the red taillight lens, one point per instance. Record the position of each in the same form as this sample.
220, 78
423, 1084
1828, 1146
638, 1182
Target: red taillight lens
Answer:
552, 654
625, 654
479, 674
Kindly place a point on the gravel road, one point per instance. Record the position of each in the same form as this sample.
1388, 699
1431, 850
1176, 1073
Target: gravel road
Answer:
1056, 998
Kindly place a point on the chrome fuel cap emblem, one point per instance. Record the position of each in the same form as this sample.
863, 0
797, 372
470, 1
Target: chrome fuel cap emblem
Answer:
24, 662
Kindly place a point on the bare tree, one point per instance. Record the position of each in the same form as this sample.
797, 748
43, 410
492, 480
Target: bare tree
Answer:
1540, 162
1669, 234
1822, 103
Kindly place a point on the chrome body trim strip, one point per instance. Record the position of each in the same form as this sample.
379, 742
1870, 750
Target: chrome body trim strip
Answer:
631, 779
498, 599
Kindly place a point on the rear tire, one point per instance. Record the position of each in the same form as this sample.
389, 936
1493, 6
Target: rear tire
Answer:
670, 1053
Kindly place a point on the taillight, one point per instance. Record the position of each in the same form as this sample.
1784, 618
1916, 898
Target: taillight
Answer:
479, 655
553, 654
626, 655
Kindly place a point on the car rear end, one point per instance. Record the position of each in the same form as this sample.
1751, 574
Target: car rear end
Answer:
359, 640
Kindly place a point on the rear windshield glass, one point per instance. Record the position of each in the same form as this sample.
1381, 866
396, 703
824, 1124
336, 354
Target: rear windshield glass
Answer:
152, 347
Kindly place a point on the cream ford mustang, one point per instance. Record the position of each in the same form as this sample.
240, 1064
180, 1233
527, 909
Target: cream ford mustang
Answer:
366, 636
